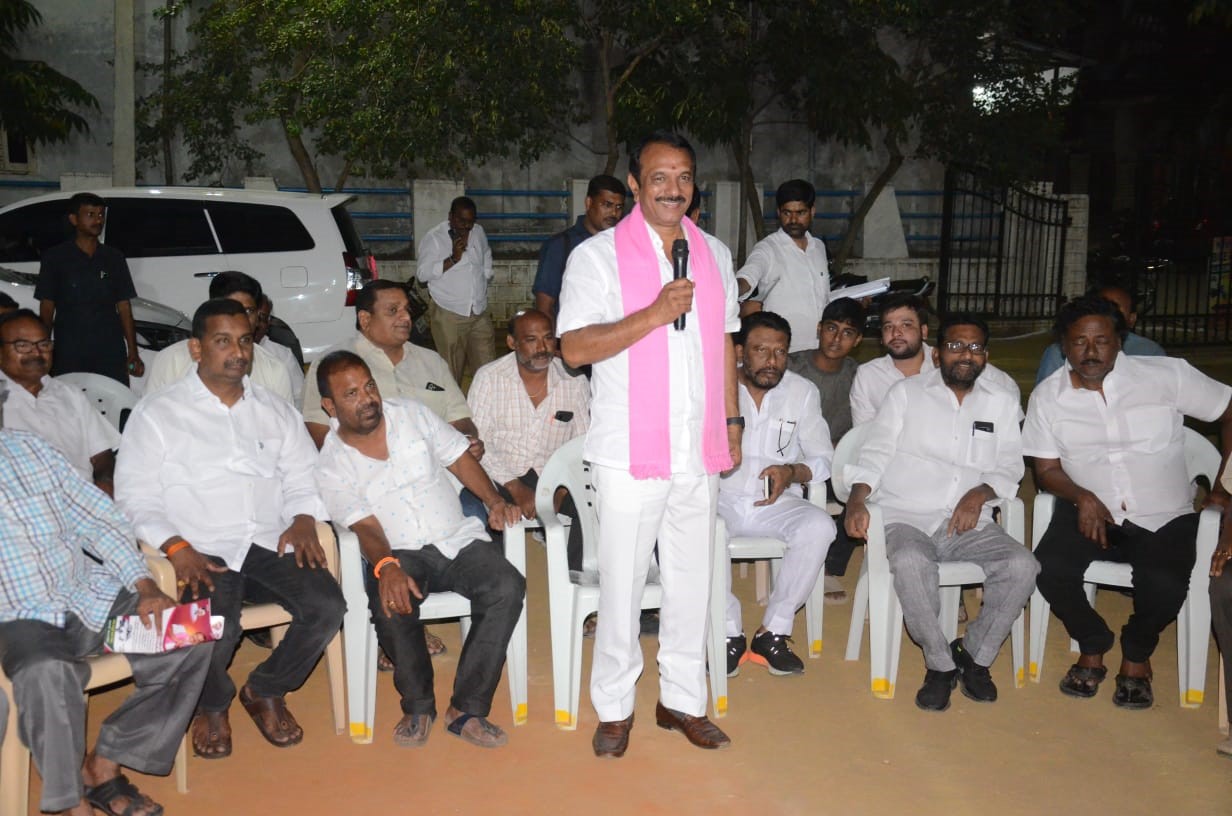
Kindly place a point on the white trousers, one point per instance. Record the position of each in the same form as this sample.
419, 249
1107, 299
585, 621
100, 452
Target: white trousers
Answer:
633, 514
808, 531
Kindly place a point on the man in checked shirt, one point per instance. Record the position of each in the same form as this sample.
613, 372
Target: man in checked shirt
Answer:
68, 562
525, 406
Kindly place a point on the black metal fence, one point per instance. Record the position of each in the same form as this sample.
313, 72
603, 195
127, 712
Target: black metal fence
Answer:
1179, 302
1002, 249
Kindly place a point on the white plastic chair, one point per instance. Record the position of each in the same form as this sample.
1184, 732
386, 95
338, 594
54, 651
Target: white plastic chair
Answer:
875, 588
763, 549
105, 670
113, 399
1194, 621
361, 643
573, 597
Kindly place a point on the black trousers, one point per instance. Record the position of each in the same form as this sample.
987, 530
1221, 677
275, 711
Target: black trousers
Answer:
1162, 562
495, 589
313, 598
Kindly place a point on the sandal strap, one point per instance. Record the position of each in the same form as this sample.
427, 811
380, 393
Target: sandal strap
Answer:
457, 725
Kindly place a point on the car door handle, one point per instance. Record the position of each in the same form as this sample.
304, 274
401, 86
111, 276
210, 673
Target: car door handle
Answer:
204, 274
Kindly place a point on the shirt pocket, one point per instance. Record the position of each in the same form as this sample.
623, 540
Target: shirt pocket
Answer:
982, 449
1149, 428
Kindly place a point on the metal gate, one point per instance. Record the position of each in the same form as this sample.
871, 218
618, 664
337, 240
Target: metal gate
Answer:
1002, 249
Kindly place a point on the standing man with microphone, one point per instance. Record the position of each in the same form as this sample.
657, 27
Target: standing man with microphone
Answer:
664, 423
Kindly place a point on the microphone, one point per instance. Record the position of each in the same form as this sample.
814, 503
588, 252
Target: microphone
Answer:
680, 269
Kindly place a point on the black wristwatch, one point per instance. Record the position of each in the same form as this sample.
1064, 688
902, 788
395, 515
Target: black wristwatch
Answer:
736, 420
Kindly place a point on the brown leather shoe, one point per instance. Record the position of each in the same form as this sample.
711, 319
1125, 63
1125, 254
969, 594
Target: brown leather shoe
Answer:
612, 738
698, 730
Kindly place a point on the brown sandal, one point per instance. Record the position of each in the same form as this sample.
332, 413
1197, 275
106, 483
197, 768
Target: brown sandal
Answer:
273, 719
211, 734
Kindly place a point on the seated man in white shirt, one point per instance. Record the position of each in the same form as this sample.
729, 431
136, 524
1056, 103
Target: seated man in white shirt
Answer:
526, 406
284, 354
382, 473
904, 328
1107, 436
786, 444
57, 412
218, 473
175, 361
943, 446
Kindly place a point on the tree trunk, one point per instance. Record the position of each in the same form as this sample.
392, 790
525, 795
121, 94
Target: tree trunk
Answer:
167, 131
343, 175
857, 218
750, 207
302, 159
609, 103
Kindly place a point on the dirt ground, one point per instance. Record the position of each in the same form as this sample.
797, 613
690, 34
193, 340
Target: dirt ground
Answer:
819, 743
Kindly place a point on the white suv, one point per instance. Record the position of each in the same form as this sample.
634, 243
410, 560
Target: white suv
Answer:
302, 248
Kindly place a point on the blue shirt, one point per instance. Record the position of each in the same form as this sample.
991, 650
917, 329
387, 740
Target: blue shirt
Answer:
552, 256
1135, 345
64, 547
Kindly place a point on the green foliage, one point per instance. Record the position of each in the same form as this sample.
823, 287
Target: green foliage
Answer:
36, 101
386, 86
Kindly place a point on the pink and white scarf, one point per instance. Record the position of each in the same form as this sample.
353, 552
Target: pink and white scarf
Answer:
637, 262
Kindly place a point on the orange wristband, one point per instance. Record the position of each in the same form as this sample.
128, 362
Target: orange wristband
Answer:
176, 547
376, 570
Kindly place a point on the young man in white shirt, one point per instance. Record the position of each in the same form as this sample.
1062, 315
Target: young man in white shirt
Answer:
175, 361
787, 272
1107, 436
382, 473
904, 328
284, 354
943, 447
42, 405
786, 444
218, 473
456, 263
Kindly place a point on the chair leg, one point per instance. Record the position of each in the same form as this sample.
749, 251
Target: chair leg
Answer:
181, 766
277, 633
1016, 648
761, 571
359, 645
951, 599
14, 770
515, 665
882, 605
716, 625
1223, 698
859, 608
1090, 590
335, 665
575, 675
1039, 634
1193, 626
814, 612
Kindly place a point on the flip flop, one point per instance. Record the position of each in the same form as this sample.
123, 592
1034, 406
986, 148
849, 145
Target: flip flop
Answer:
1083, 681
272, 718
1133, 692
488, 736
102, 795
413, 729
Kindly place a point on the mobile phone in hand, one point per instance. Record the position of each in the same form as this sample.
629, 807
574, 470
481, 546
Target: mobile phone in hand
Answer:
453, 234
765, 487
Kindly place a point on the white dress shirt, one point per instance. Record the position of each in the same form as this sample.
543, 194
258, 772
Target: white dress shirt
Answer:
517, 435
421, 375
1127, 446
222, 478
409, 493
591, 295
787, 429
463, 287
295, 372
791, 282
874, 379
175, 362
64, 418
925, 450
